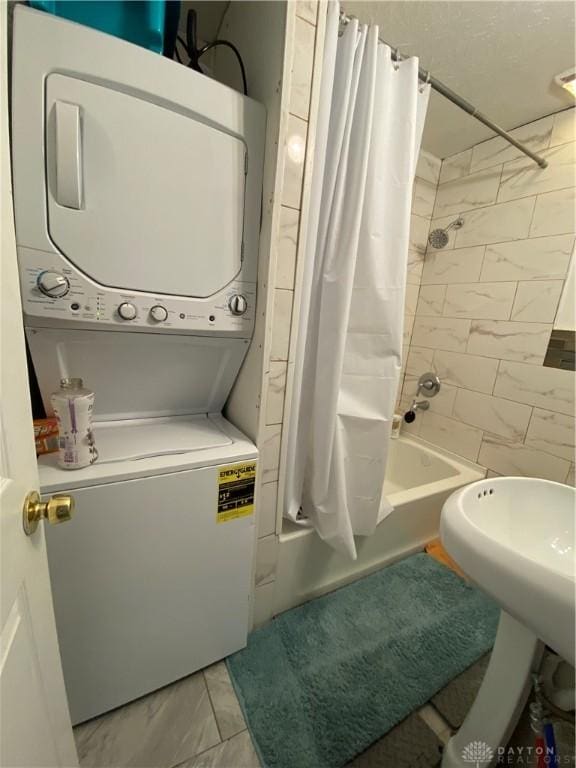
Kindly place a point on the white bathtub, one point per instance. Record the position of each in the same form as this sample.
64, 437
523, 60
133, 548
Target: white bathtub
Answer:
419, 478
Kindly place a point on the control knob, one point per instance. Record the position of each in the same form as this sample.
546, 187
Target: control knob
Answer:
158, 313
53, 284
238, 304
127, 311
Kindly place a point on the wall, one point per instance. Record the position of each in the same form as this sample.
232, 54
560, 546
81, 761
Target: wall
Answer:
259, 30
278, 43
304, 39
487, 302
423, 197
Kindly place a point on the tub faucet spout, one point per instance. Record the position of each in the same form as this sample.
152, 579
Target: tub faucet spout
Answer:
417, 405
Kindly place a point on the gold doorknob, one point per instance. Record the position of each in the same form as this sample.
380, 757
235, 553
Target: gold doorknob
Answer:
57, 509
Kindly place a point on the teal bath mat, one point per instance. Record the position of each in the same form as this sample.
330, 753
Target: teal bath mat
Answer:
325, 680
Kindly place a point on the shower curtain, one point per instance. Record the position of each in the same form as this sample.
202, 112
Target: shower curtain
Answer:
349, 347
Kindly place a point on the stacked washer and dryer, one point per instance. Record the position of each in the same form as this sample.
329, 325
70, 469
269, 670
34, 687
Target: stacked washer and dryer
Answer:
137, 189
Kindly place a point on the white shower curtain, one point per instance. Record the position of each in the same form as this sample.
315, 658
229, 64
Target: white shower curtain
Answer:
349, 349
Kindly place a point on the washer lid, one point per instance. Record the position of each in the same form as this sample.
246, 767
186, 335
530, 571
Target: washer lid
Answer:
141, 197
145, 438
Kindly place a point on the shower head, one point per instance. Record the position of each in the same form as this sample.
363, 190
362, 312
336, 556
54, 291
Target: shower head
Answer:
438, 238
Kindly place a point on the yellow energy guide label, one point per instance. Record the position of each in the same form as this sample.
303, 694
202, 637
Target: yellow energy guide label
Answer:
236, 491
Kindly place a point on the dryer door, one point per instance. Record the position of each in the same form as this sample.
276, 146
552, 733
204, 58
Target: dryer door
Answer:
141, 197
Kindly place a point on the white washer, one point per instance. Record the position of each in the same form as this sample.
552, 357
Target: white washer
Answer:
151, 578
137, 189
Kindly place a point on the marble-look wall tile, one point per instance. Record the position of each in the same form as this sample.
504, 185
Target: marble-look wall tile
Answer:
415, 265
516, 459
441, 333
224, 700
302, 64
407, 331
307, 9
492, 414
428, 167
287, 245
463, 194
266, 557
418, 233
564, 129
538, 259
571, 478
537, 300
554, 214
460, 265
535, 135
522, 178
275, 392
263, 604
270, 453
419, 361
549, 388
525, 342
482, 301
455, 166
451, 434
295, 153
423, 196
497, 223
468, 371
552, 432
281, 320
267, 510
431, 300
411, 299
501, 275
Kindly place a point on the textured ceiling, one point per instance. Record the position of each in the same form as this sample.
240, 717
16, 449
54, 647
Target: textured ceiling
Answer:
502, 56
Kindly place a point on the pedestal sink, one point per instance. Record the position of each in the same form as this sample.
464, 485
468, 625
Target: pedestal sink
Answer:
514, 539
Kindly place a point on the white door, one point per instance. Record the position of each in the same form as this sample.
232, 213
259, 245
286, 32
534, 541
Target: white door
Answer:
35, 725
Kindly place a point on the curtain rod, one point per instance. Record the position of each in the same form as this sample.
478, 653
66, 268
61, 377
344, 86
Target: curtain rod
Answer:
449, 94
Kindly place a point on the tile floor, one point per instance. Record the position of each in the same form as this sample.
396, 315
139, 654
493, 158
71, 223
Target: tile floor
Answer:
197, 723
194, 723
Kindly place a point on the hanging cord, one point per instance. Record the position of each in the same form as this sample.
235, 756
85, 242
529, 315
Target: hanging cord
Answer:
208, 47
194, 54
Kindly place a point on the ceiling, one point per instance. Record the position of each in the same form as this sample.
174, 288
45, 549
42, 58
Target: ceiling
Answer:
501, 55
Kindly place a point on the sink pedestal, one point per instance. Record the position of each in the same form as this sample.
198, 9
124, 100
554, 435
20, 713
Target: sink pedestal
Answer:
493, 716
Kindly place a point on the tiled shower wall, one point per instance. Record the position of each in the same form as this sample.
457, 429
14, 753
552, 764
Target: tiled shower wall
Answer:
487, 302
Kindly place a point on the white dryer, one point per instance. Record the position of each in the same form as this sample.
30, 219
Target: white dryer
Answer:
137, 190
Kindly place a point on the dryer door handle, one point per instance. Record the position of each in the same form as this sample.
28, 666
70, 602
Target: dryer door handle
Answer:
68, 155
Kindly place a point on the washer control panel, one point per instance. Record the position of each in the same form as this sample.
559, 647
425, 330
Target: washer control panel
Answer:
56, 292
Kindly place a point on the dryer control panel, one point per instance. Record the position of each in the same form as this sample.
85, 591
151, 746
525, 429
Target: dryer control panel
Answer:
53, 290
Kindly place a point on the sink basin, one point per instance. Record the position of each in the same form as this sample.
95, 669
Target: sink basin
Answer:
514, 538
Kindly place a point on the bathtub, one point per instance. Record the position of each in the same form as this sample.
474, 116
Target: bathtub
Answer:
419, 478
